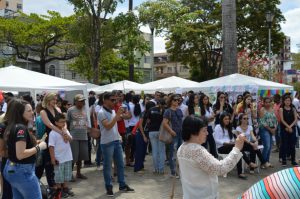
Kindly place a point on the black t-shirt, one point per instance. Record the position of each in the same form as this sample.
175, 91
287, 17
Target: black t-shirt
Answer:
155, 117
20, 133
227, 108
2, 130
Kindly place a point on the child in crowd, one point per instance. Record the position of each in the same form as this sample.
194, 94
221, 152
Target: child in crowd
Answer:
61, 157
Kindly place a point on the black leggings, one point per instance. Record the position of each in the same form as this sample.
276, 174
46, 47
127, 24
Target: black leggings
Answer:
46, 164
6, 189
249, 148
226, 149
211, 142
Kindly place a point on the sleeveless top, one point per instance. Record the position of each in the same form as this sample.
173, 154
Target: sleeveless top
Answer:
51, 119
288, 116
269, 119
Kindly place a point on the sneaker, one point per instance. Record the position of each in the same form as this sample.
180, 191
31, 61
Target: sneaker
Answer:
127, 189
68, 192
251, 171
110, 192
295, 164
283, 164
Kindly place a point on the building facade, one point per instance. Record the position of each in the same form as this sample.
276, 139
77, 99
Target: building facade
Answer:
12, 5
164, 67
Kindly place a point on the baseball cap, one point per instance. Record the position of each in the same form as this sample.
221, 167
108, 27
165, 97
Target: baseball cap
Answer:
79, 97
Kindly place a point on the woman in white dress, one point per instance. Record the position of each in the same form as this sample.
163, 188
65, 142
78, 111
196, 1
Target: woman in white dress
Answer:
199, 169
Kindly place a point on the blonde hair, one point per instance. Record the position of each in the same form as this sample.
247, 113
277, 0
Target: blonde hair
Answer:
48, 97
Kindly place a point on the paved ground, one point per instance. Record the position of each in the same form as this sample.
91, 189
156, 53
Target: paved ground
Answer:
149, 186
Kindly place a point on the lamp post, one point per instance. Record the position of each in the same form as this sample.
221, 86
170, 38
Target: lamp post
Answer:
269, 18
151, 26
131, 65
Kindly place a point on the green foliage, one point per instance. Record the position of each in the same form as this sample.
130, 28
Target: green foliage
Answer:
193, 30
31, 37
119, 38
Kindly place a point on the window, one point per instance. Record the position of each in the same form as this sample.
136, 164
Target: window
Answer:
19, 6
169, 70
147, 59
52, 70
73, 75
7, 3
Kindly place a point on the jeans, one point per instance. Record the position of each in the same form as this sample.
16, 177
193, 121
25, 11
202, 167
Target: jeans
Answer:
267, 141
158, 151
98, 153
113, 151
288, 144
140, 152
177, 141
23, 180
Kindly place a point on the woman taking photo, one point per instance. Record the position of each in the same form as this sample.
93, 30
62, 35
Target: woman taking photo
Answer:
225, 142
208, 114
199, 169
267, 128
221, 106
251, 143
288, 115
22, 149
194, 107
172, 122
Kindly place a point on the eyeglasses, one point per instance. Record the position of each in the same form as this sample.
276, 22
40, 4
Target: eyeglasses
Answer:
176, 99
113, 100
245, 118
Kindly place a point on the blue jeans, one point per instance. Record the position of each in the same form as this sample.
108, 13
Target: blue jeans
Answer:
158, 151
113, 151
23, 180
98, 153
267, 141
177, 141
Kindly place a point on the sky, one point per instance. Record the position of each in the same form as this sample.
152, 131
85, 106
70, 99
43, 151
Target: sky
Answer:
290, 9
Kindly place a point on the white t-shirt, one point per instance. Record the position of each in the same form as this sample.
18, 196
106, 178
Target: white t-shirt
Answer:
221, 136
4, 107
247, 132
184, 109
97, 108
62, 150
108, 135
134, 119
208, 114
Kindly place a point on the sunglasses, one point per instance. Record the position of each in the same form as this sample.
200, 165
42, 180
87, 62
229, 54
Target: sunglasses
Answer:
176, 99
245, 118
113, 100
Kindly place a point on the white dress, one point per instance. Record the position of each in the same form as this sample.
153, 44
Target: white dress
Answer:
199, 170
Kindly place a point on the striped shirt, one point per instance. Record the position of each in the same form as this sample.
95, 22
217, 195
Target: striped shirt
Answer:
284, 184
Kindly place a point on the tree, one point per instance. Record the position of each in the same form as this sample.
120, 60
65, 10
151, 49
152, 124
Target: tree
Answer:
119, 37
39, 38
94, 13
194, 35
296, 60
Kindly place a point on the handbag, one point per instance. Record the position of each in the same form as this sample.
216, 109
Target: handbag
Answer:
164, 135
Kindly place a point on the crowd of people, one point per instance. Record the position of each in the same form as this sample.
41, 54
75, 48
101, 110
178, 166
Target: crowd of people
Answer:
55, 135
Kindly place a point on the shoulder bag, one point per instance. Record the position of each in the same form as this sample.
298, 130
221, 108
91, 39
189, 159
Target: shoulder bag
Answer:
164, 135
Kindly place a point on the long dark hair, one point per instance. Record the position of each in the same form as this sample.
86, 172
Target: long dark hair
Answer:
245, 106
191, 104
137, 108
14, 114
202, 106
229, 126
286, 96
218, 104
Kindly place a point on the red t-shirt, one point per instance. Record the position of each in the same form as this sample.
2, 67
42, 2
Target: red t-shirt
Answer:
121, 123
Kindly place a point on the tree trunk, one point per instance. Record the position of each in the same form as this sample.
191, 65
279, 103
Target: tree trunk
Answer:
43, 67
229, 37
96, 48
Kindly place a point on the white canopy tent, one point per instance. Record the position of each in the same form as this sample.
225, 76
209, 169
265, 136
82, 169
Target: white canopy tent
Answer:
170, 84
238, 83
14, 78
124, 85
91, 87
